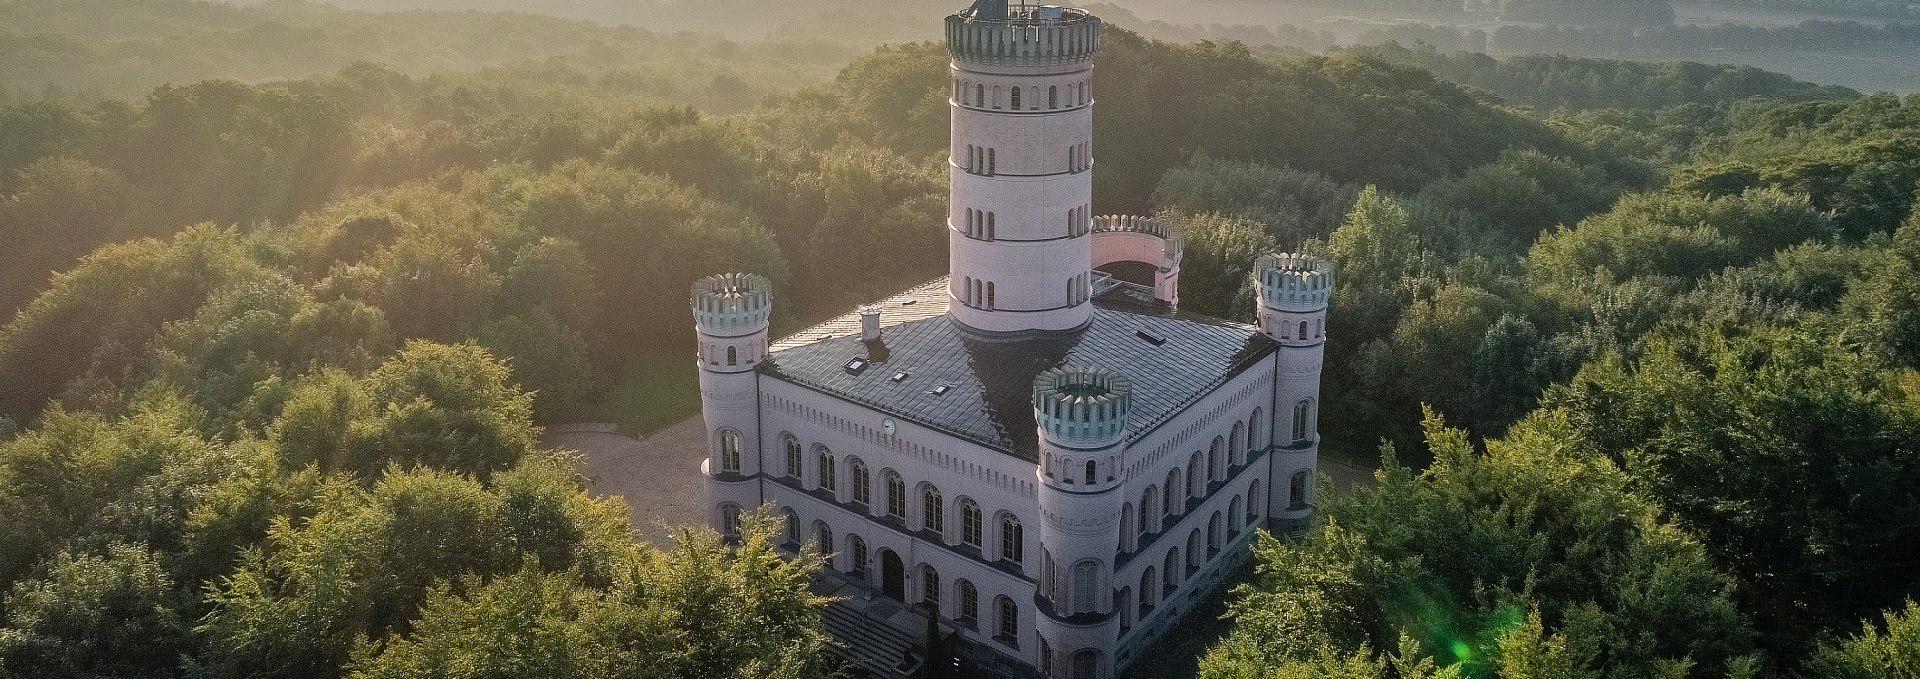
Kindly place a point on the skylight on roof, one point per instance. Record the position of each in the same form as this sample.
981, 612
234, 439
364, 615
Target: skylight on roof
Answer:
856, 366
1151, 338
898, 376
940, 390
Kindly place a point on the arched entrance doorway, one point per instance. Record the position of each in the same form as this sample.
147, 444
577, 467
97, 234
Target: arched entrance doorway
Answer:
893, 575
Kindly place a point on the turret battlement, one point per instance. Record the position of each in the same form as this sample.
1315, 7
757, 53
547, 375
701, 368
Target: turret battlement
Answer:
1081, 406
1293, 281
992, 33
732, 304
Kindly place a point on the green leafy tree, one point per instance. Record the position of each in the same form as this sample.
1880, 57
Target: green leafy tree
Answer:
94, 615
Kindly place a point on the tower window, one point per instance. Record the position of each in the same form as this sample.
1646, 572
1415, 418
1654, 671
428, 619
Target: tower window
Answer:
979, 95
730, 520
733, 356
990, 163
730, 451
1300, 419
990, 226
1090, 471
1016, 98
990, 306
1053, 96
793, 456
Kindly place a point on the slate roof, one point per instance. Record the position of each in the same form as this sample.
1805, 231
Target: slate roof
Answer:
990, 381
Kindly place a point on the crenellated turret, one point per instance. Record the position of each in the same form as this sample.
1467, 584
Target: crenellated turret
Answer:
1082, 412
1294, 290
1133, 238
730, 313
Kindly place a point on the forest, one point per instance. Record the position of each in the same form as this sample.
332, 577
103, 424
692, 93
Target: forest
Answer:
1635, 347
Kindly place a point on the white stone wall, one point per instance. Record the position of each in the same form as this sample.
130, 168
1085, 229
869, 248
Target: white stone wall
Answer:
1031, 170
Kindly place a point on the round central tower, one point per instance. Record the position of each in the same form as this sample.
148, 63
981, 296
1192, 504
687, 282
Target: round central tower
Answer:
1020, 211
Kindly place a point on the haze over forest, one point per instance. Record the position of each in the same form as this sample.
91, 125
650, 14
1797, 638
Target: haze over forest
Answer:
1628, 317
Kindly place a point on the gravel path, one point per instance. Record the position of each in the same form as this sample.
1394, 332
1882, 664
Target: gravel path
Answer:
658, 477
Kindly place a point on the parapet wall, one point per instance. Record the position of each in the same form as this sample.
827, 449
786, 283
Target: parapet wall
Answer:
1024, 39
732, 303
1293, 281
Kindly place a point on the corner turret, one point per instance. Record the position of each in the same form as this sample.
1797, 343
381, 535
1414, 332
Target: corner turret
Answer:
730, 313
1082, 412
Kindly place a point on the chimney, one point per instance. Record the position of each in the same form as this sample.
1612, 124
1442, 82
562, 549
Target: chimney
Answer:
869, 324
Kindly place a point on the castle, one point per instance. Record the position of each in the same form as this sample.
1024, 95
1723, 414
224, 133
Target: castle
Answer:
1039, 448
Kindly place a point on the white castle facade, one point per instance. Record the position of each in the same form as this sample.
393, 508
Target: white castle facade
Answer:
1054, 460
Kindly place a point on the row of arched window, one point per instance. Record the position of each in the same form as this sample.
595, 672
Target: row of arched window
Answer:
1019, 98
980, 224
933, 506
1078, 291
1079, 221
976, 293
964, 605
1318, 328
1080, 157
712, 353
982, 160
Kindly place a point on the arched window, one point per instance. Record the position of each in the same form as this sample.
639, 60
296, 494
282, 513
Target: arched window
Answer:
824, 458
991, 163
1216, 533
930, 588
1196, 484
1236, 446
970, 157
1086, 582
896, 496
968, 224
1012, 539
1170, 569
1215, 470
966, 290
1194, 556
1086, 664
1256, 431
1297, 490
1149, 583
990, 229
1127, 533
733, 356
1053, 97
1300, 419
997, 96
1172, 496
1303, 330
861, 492
1009, 618
1016, 98
969, 522
793, 526
969, 608
980, 95
1092, 471
792, 446
990, 305
933, 515
823, 538
1253, 502
1235, 515
857, 553
730, 451
730, 520
1147, 516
